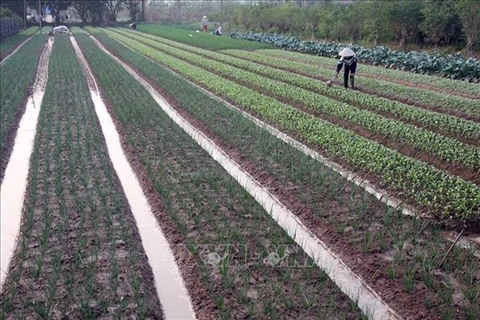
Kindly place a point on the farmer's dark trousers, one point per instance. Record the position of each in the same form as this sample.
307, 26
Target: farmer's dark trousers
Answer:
349, 69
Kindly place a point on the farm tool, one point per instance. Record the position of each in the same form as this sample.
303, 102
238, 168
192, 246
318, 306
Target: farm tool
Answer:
330, 82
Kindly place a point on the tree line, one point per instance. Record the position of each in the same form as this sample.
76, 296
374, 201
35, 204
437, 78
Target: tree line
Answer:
93, 11
421, 22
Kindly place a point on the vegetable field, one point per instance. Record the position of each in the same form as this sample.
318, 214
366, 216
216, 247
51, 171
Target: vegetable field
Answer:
386, 178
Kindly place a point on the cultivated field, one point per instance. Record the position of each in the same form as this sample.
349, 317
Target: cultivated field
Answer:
385, 179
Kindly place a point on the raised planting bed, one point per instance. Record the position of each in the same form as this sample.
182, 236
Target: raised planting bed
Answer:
411, 79
206, 211
79, 254
452, 66
398, 255
9, 45
17, 76
420, 97
447, 149
412, 179
433, 120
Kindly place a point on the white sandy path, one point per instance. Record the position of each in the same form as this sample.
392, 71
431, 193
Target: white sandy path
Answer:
171, 290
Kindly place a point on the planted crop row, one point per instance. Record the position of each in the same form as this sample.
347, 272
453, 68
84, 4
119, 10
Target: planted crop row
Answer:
447, 196
357, 218
79, 254
46, 29
17, 75
443, 83
452, 66
30, 31
412, 95
436, 120
12, 42
76, 29
445, 148
207, 206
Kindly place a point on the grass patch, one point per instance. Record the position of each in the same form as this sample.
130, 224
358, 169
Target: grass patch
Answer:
200, 39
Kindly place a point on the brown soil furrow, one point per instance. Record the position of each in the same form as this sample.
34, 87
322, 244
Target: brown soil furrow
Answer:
234, 215
452, 168
415, 103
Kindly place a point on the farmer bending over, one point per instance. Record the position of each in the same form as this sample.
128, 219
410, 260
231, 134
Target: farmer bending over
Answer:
219, 31
348, 58
204, 24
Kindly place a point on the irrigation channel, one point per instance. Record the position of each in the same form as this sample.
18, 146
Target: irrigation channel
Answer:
15, 181
173, 295
351, 284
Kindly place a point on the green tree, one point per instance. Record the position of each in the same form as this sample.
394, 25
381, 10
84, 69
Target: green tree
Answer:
112, 7
438, 16
375, 26
6, 13
134, 7
56, 6
469, 13
96, 11
15, 6
353, 20
327, 25
82, 9
404, 18
312, 18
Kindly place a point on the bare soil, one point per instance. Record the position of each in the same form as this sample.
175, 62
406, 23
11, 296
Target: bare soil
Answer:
333, 221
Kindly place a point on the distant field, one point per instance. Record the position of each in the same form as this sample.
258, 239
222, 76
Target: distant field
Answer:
202, 40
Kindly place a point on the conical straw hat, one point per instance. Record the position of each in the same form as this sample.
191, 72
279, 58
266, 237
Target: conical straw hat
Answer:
347, 52
204, 17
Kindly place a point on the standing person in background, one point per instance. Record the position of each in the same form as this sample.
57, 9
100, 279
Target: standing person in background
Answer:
348, 58
204, 24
